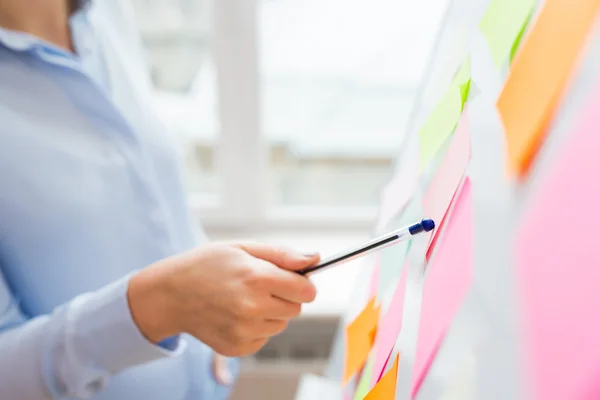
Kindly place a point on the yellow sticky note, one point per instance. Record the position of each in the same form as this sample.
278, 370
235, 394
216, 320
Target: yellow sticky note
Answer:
503, 24
538, 76
385, 389
360, 336
440, 124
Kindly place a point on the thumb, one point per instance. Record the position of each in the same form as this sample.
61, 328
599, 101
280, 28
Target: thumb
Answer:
280, 256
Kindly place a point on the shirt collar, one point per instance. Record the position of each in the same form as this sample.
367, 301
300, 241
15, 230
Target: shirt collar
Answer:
20, 41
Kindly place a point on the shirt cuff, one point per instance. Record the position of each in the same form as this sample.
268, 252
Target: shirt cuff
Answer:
103, 326
98, 338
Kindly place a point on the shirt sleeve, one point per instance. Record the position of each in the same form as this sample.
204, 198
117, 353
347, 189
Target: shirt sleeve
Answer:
73, 352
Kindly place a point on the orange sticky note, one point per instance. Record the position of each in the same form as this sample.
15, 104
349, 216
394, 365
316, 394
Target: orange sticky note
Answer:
539, 74
385, 389
360, 336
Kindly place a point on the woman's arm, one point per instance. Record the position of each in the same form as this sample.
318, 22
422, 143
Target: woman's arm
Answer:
74, 351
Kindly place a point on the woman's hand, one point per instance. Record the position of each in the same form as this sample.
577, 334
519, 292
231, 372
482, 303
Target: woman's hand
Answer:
231, 296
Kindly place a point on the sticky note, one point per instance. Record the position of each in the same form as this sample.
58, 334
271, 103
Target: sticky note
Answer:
445, 116
360, 335
515, 46
503, 25
392, 257
558, 275
446, 283
538, 76
443, 186
463, 80
385, 389
364, 385
439, 125
389, 328
375, 277
397, 193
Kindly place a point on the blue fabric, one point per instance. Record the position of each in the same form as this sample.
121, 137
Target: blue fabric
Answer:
91, 190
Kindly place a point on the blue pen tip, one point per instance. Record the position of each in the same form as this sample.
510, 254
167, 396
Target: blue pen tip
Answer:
428, 225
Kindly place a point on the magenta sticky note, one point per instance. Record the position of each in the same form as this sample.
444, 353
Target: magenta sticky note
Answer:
557, 261
389, 328
446, 283
447, 178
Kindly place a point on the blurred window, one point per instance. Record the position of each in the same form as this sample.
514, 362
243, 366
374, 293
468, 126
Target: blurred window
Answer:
288, 111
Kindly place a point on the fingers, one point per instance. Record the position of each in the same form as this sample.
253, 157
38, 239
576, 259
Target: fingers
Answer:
281, 309
270, 327
240, 350
280, 256
285, 285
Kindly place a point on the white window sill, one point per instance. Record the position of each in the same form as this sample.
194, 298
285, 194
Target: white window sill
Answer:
334, 287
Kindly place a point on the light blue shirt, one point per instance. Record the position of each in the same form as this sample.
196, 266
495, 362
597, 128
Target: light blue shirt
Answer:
90, 191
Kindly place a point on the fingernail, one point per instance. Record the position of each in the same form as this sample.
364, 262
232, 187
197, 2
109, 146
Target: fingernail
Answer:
310, 255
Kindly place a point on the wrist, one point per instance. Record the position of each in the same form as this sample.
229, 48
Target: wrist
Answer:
150, 306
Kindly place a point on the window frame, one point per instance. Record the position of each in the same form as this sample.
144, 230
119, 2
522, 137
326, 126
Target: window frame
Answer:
242, 202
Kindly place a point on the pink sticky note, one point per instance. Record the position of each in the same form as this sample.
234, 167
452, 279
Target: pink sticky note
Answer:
396, 194
557, 260
447, 178
374, 286
446, 283
389, 328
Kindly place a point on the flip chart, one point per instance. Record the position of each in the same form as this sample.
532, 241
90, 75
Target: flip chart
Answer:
538, 76
385, 389
443, 186
364, 385
558, 275
389, 328
446, 284
503, 25
360, 335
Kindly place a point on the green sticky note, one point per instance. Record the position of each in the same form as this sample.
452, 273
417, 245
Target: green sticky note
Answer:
364, 385
440, 124
463, 75
515, 47
501, 25
463, 80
